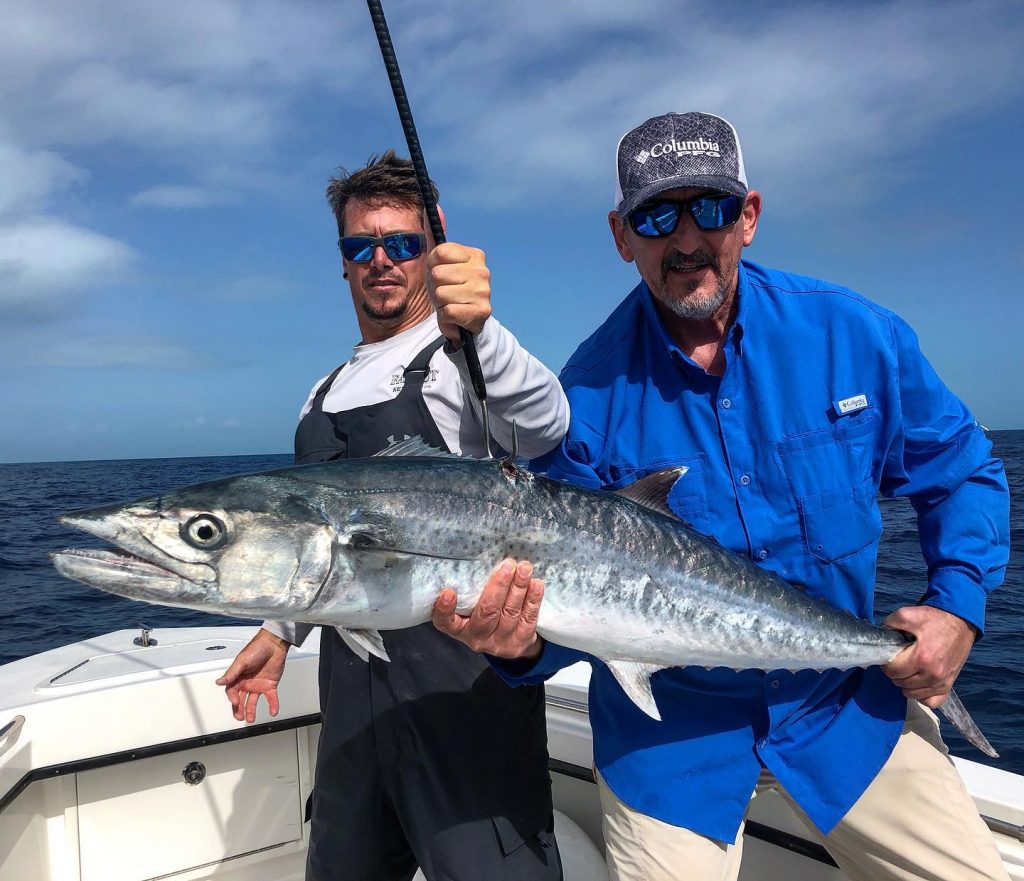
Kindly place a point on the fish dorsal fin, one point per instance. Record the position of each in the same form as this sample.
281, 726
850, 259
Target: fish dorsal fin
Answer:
652, 491
415, 446
635, 679
364, 643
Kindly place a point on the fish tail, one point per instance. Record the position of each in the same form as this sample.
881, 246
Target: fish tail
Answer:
954, 710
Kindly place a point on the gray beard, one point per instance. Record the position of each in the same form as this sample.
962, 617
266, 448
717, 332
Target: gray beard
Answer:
695, 309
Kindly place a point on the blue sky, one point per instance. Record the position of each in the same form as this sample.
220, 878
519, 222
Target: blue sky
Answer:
169, 282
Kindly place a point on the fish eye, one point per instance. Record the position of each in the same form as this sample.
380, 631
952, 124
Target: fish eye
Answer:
204, 531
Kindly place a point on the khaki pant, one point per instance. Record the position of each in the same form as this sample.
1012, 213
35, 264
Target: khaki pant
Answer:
915, 821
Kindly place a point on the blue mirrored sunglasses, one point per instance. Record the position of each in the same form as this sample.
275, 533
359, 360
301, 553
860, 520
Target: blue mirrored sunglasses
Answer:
709, 212
398, 246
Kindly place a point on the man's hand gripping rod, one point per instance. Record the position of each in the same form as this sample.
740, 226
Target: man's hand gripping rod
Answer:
387, 51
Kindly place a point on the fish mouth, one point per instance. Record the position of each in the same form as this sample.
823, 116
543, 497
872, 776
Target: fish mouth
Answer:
115, 561
134, 564
117, 571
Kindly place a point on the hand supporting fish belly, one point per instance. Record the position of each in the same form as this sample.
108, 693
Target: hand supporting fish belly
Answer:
503, 622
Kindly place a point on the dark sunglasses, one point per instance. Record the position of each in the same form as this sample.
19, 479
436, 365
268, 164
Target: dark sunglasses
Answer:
398, 246
709, 212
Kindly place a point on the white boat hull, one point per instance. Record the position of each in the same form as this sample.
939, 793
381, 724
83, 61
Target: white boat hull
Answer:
123, 763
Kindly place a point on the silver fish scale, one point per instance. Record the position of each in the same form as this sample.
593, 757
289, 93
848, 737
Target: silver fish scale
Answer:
621, 581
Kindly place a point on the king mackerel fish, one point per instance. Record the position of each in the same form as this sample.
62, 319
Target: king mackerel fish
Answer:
367, 544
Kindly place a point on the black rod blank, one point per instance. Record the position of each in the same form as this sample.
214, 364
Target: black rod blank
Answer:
387, 51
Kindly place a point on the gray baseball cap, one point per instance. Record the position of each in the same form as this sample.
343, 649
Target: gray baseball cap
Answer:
677, 150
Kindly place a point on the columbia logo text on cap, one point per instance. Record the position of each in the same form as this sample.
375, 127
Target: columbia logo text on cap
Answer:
688, 148
677, 150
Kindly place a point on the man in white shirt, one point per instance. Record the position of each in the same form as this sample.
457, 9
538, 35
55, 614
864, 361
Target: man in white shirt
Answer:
392, 788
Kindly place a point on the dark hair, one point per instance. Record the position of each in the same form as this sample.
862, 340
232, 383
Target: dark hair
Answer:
386, 180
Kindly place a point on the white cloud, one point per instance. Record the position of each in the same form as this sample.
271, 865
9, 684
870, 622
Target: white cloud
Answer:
103, 102
534, 94
214, 76
526, 103
43, 260
517, 103
29, 177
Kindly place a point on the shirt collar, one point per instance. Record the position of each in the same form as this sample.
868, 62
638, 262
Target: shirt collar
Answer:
734, 336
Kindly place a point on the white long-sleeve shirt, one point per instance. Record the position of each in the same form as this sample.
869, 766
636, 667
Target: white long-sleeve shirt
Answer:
519, 389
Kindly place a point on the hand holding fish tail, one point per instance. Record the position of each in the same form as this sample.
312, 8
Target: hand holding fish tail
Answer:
255, 671
927, 669
504, 621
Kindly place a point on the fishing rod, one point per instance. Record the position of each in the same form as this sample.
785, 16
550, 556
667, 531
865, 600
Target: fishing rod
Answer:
412, 140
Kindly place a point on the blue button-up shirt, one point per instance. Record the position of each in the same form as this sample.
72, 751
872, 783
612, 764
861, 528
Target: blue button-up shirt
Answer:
825, 400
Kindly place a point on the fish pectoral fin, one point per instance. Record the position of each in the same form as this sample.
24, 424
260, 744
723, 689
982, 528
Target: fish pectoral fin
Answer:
364, 643
652, 491
635, 679
415, 446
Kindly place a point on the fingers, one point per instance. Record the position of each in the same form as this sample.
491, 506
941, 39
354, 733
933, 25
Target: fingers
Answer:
459, 288
531, 611
452, 253
904, 665
232, 673
512, 605
486, 615
918, 675
255, 671
257, 653
927, 669
252, 699
504, 620
245, 703
444, 616
900, 619
237, 698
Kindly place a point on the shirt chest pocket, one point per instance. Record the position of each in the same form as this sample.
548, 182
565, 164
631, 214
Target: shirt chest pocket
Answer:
830, 475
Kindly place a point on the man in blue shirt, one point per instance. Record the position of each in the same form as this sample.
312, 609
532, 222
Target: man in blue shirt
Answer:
793, 402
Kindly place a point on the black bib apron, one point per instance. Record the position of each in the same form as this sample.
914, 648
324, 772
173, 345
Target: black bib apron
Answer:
430, 759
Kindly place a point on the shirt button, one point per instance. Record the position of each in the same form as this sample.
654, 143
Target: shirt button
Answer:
775, 683
745, 479
762, 554
726, 403
762, 743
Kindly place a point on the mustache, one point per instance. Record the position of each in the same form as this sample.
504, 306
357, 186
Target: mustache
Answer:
678, 260
387, 275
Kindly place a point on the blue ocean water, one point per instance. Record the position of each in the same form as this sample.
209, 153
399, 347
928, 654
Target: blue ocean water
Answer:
39, 610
